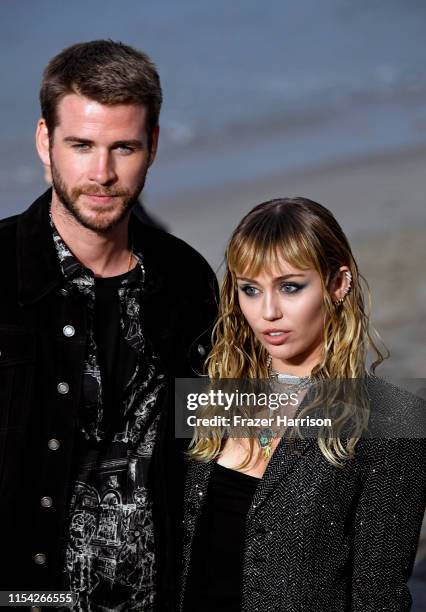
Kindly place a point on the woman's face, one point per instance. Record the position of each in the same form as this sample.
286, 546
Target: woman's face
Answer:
286, 312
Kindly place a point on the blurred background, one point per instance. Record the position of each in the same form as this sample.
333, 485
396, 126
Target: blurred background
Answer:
320, 98
325, 99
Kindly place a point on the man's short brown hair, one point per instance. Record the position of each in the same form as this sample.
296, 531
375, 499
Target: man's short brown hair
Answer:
105, 71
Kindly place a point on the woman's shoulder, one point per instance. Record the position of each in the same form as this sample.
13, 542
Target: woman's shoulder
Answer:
395, 397
397, 415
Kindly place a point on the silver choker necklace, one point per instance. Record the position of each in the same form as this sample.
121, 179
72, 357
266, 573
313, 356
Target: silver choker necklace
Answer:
296, 382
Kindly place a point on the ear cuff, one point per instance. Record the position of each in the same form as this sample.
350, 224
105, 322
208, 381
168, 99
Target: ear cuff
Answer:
348, 288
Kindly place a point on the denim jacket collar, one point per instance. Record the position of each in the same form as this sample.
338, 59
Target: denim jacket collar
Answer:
38, 266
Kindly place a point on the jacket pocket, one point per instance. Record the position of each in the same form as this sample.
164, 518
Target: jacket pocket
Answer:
17, 358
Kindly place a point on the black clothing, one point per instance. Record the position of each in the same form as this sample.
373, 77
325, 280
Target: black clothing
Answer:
147, 218
37, 421
109, 547
116, 359
218, 549
325, 539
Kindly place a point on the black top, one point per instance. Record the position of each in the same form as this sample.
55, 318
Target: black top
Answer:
117, 360
216, 578
110, 524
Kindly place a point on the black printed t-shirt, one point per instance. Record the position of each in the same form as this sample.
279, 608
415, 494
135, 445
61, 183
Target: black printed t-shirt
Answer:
108, 541
117, 360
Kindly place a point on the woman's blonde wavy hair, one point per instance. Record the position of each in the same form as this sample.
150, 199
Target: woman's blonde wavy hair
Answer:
307, 236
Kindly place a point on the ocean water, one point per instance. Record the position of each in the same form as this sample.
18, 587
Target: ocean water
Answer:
250, 87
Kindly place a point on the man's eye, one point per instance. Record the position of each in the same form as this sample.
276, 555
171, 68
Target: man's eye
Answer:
291, 287
125, 149
249, 290
80, 146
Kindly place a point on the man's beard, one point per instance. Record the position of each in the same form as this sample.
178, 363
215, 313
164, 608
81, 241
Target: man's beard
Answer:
99, 224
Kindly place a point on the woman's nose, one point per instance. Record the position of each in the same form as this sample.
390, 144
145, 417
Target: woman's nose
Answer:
271, 307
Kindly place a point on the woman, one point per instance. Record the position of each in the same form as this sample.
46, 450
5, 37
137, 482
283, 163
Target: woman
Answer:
326, 523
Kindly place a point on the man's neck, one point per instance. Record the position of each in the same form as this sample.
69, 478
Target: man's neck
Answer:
106, 254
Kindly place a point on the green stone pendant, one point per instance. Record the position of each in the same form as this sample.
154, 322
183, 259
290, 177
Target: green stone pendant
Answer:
265, 441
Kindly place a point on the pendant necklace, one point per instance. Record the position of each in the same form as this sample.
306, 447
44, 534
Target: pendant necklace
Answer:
295, 385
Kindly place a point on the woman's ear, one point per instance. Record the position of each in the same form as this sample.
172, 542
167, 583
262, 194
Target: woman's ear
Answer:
341, 285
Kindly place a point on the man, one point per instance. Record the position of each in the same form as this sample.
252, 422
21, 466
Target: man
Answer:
98, 314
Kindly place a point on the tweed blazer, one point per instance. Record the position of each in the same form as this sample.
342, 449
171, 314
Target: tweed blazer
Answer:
326, 539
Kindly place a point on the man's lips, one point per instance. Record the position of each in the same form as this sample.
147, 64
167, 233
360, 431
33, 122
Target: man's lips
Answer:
275, 336
100, 198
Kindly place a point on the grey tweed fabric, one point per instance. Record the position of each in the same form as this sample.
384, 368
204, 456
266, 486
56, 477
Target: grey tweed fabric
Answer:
324, 539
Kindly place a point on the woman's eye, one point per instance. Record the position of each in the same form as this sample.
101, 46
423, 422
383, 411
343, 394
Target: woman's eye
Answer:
290, 287
249, 290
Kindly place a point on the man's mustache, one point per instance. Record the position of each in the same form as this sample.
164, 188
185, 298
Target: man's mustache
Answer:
96, 191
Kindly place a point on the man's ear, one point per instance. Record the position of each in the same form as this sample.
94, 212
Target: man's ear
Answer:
154, 144
42, 142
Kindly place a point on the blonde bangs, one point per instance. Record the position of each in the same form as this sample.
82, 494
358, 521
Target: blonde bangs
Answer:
250, 255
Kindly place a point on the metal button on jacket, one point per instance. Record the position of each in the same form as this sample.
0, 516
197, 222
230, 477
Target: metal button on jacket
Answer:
68, 331
53, 444
40, 558
63, 388
201, 350
46, 502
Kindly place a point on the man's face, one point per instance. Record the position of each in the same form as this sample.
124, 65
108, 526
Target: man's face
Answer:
99, 158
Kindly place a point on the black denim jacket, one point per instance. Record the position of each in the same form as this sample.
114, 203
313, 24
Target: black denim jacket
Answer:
37, 421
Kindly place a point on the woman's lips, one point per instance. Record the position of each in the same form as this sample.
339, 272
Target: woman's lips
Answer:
276, 337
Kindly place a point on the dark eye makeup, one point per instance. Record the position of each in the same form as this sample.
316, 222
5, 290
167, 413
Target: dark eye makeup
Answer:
287, 288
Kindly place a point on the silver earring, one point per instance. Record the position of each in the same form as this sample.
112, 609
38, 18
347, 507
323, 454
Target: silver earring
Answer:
349, 277
348, 288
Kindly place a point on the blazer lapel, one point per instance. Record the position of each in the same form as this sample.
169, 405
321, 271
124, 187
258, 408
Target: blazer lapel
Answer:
284, 459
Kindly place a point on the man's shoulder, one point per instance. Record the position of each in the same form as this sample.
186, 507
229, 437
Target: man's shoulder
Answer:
9, 225
8, 228
9, 222
170, 250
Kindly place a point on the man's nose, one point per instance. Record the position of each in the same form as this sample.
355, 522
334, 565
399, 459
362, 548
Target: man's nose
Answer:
271, 307
102, 168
